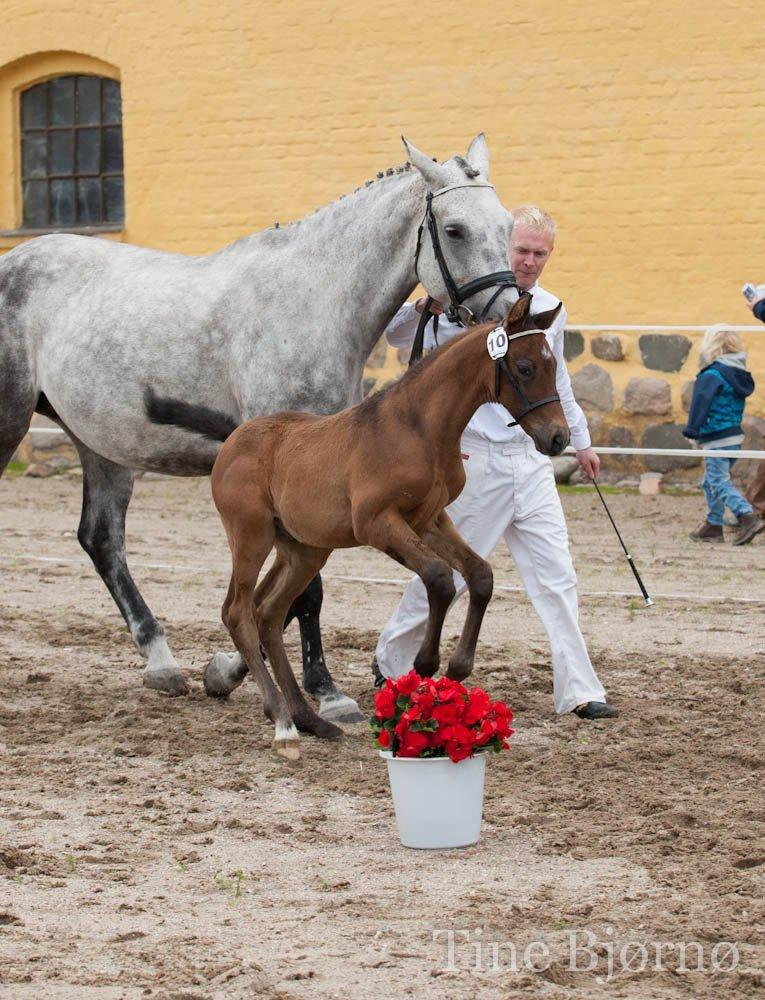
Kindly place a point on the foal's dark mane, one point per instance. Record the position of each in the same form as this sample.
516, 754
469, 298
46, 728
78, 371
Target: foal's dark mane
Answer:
373, 400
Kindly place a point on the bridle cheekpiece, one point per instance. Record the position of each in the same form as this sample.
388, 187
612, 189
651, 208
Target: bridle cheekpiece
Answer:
457, 311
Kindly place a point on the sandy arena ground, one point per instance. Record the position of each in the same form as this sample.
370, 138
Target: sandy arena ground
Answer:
154, 847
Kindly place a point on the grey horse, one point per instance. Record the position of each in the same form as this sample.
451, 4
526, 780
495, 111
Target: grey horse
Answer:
281, 320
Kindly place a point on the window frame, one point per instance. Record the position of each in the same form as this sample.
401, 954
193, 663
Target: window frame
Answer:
44, 176
16, 77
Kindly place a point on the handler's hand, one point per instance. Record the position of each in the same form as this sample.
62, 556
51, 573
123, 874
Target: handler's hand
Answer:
435, 306
589, 462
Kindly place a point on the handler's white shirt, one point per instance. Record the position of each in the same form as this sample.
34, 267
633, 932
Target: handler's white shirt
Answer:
491, 419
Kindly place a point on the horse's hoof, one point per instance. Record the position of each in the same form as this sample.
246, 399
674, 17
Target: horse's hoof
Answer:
169, 680
223, 674
328, 731
340, 708
289, 749
459, 671
425, 668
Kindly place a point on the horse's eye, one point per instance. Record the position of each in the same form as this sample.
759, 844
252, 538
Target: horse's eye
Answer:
454, 232
525, 369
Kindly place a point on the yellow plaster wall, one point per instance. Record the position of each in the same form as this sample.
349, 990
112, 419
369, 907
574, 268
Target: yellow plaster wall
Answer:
637, 123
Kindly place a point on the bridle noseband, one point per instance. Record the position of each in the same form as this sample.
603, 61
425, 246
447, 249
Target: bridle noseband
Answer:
457, 311
501, 367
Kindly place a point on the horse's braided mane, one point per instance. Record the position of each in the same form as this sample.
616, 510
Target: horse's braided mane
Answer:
381, 175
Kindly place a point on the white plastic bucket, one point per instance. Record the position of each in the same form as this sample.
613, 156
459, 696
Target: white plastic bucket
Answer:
438, 803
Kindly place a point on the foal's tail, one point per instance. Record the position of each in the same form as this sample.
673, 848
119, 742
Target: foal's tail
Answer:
200, 419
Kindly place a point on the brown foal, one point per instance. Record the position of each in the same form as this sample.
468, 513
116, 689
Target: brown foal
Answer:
379, 474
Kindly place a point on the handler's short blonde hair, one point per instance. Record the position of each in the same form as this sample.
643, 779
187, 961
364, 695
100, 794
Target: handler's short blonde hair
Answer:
719, 339
533, 217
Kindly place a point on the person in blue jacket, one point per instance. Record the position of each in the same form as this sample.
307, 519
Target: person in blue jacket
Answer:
714, 421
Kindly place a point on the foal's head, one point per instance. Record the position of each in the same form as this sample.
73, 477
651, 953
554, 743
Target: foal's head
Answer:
527, 378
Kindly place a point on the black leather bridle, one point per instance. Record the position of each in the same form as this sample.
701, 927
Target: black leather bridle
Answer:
502, 367
457, 311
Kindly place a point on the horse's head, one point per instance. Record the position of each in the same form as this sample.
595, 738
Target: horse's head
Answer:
526, 377
465, 234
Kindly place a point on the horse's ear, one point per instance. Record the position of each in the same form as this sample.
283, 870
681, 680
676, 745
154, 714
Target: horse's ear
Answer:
478, 155
546, 319
434, 174
518, 312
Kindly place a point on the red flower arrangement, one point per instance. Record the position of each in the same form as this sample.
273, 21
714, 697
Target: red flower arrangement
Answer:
421, 717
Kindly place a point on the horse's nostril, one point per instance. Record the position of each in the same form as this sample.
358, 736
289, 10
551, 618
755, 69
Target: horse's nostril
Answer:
557, 443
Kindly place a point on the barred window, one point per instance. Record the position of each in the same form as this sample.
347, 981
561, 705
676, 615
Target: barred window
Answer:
71, 153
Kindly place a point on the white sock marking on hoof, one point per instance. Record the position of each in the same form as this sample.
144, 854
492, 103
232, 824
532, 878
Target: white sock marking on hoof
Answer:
288, 733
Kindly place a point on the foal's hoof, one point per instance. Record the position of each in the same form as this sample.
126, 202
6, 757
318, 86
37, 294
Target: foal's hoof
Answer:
327, 731
166, 679
309, 722
223, 674
289, 749
339, 708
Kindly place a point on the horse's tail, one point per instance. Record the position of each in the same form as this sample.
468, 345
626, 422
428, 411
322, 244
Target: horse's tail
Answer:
201, 419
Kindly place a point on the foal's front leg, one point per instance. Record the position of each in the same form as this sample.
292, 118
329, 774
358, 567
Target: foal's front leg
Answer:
444, 539
392, 535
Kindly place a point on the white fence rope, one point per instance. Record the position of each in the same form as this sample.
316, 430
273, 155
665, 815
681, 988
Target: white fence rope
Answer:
681, 452
698, 453
658, 328
385, 581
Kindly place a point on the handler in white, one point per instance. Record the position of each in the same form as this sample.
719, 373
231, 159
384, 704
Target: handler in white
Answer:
510, 493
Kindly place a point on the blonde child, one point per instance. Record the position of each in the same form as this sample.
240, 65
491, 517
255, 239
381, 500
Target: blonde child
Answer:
714, 421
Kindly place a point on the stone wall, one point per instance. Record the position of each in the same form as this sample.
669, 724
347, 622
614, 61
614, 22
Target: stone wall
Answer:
635, 388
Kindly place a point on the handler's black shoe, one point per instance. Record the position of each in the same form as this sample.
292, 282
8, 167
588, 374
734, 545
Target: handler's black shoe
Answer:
596, 710
377, 674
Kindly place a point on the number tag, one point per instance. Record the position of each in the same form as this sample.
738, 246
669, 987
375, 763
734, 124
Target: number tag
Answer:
496, 343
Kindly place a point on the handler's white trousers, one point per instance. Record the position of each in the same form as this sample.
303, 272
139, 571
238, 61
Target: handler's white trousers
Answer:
510, 492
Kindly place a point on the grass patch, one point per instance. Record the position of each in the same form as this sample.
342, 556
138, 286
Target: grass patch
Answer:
589, 488
17, 467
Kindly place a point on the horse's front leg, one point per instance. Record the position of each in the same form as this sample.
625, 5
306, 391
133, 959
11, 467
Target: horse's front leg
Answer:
334, 705
444, 539
392, 535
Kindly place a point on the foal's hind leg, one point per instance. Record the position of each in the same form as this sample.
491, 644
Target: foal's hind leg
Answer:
249, 549
224, 673
334, 706
296, 565
106, 492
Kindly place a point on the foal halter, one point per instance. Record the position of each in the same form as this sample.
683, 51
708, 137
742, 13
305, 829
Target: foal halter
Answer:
501, 367
457, 312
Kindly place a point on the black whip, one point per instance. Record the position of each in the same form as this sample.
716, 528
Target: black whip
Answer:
633, 567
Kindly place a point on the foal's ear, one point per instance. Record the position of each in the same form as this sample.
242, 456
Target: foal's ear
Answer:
519, 312
434, 174
478, 155
546, 319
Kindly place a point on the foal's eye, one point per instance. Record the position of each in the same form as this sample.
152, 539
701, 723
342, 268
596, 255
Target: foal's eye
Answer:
454, 232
